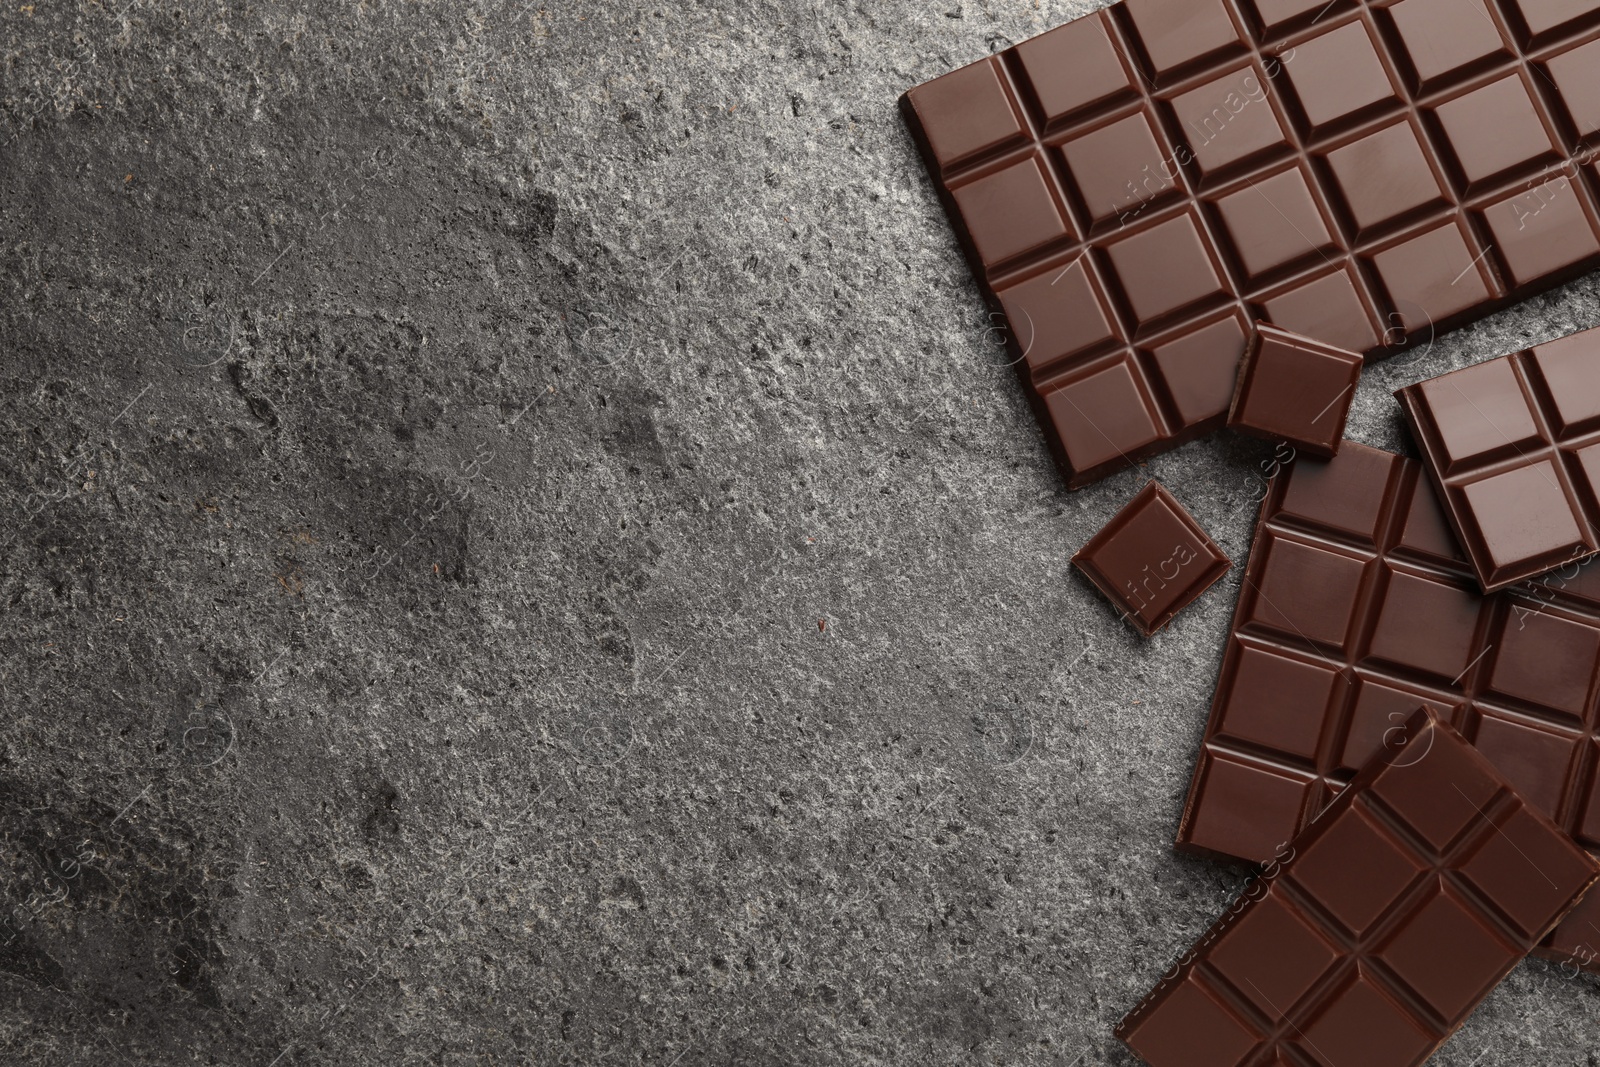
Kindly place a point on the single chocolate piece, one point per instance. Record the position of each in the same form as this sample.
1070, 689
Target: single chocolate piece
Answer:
1511, 447
1294, 389
1355, 606
1134, 188
1152, 559
1381, 928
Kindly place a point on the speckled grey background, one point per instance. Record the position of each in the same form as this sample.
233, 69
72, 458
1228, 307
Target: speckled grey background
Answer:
520, 548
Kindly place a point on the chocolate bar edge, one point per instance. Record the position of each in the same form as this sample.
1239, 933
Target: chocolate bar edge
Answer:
1192, 794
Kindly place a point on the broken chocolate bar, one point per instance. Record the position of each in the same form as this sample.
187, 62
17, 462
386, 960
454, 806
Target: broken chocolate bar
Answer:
1512, 448
1380, 928
1135, 188
1357, 605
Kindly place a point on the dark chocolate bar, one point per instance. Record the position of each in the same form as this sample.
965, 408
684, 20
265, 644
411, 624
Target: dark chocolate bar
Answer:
1134, 188
1357, 605
1294, 389
1513, 447
1152, 559
1386, 921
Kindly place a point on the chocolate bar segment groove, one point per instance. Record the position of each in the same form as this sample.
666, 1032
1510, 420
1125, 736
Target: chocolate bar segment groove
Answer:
1134, 188
1374, 934
1357, 604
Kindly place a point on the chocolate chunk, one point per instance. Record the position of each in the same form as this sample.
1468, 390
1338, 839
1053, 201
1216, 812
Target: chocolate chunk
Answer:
1134, 188
1377, 930
1294, 389
1510, 445
1152, 559
1357, 605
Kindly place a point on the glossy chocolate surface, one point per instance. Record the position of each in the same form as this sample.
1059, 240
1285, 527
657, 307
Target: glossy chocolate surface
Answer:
1379, 928
1152, 559
1513, 446
1294, 389
1134, 188
1356, 605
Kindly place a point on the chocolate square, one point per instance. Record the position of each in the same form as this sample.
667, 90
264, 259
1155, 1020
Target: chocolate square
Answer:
1294, 389
1445, 37
1228, 120
1152, 559
1011, 211
1338, 74
1576, 75
1493, 129
1104, 415
1384, 175
1166, 267
1541, 231
1433, 278
1275, 222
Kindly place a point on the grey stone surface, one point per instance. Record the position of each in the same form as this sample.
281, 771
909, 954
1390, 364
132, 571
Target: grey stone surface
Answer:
519, 548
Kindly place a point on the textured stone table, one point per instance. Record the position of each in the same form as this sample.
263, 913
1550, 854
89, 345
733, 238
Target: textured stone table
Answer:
520, 547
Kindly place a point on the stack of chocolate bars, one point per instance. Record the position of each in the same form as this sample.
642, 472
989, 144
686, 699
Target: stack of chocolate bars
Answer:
1203, 213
